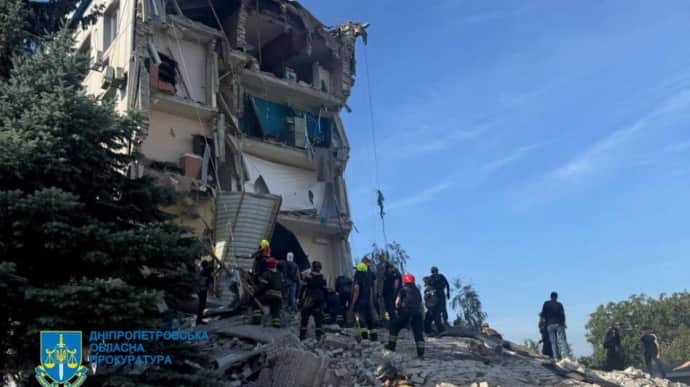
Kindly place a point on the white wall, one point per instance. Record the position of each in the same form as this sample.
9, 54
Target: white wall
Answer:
162, 145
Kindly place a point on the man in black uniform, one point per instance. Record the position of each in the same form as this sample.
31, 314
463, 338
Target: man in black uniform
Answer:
652, 351
391, 283
409, 307
260, 258
440, 283
343, 286
362, 301
270, 292
432, 301
615, 358
312, 299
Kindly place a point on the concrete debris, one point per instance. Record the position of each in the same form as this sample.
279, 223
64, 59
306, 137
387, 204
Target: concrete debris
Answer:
251, 355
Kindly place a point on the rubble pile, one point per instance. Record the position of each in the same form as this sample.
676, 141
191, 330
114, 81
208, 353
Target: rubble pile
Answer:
269, 357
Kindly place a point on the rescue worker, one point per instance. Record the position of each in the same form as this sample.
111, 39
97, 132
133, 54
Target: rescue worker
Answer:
205, 275
343, 286
390, 376
375, 291
615, 358
260, 257
292, 281
652, 351
362, 302
432, 301
312, 300
269, 292
409, 308
440, 283
391, 284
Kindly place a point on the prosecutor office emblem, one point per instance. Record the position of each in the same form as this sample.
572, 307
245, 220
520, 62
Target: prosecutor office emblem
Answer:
60, 359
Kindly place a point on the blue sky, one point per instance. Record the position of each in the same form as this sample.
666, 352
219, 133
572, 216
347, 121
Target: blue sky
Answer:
526, 146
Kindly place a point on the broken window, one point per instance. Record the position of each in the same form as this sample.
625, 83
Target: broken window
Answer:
110, 24
164, 75
281, 123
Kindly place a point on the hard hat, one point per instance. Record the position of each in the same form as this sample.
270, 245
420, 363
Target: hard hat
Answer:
361, 266
271, 263
386, 371
264, 244
434, 270
408, 279
316, 266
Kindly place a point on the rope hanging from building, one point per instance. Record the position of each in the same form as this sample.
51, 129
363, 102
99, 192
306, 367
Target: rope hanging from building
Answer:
379, 194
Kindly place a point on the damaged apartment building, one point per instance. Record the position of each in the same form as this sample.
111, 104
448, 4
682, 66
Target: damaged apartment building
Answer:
242, 99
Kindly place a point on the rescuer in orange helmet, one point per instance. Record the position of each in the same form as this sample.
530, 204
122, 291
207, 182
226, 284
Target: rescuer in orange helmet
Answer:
408, 303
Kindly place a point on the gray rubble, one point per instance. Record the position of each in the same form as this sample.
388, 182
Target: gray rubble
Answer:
268, 357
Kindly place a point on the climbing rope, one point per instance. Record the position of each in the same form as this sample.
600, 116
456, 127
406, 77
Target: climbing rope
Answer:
379, 195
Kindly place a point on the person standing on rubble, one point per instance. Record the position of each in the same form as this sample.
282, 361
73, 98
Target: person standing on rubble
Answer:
391, 284
432, 302
206, 276
615, 358
408, 303
312, 300
362, 301
652, 351
270, 292
440, 283
292, 281
554, 319
343, 286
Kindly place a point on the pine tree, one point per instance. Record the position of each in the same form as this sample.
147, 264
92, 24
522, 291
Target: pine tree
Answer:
82, 246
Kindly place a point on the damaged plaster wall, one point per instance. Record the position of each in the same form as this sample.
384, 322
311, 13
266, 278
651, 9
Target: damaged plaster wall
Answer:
170, 136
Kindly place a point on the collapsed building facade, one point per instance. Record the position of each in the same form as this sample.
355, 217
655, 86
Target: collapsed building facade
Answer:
242, 100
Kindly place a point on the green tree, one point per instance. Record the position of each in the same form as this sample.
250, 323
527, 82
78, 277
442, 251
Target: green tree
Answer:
466, 301
669, 317
83, 247
393, 253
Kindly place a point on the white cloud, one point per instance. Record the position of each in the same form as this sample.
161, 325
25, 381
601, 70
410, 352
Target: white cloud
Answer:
513, 157
420, 197
598, 153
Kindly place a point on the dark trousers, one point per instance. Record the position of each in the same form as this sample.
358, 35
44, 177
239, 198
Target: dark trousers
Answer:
365, 321
389, 304
648, 359
202, 305
405, 318
345, 299
615, 359
311, 309
274, 304
444, 310
433, 316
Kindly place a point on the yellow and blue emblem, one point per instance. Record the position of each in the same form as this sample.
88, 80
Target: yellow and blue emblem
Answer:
60, 359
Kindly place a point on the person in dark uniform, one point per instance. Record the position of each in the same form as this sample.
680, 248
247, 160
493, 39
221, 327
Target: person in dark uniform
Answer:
205, 275
343, 286
292, 281
409, 308
362, 301
440, 283
270, 292
652, 351
432, 302
391, 283
313, 299
615, 358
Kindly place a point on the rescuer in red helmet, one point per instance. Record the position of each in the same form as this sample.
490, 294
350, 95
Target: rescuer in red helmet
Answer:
408, 303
